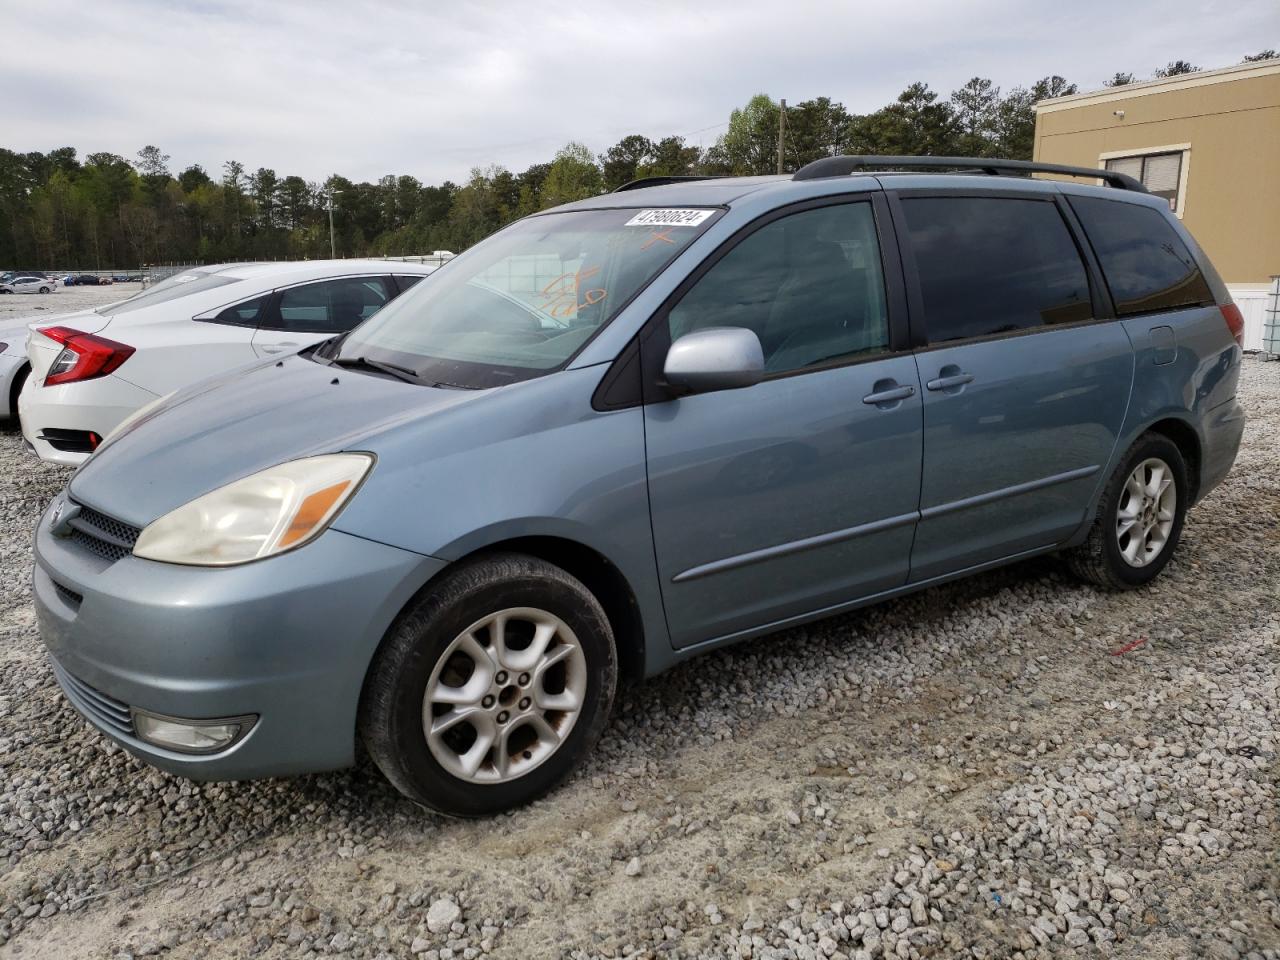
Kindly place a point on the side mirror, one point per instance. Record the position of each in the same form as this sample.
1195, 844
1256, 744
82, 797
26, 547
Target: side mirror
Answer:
718, 358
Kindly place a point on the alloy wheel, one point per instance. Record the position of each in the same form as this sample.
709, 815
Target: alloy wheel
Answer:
504, 695
1146, 512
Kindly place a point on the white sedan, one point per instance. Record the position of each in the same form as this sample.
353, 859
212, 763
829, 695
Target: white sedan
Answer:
30, 285
90, 371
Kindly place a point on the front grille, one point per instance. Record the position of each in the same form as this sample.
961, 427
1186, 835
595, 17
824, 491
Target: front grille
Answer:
103, 536
105, 711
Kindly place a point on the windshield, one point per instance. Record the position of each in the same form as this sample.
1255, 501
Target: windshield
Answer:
524, 301
171, 288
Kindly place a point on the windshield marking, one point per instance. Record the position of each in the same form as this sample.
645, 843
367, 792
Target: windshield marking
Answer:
663, 236
565, 296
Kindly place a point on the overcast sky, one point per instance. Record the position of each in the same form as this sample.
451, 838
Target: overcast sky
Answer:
432, 90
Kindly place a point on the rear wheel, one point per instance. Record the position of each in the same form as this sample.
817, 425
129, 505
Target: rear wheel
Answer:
491, 686
44, 289
1139, 519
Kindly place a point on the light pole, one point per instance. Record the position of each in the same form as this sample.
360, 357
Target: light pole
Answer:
333, 249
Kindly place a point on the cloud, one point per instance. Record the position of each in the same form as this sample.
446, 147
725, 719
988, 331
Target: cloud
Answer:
367, 89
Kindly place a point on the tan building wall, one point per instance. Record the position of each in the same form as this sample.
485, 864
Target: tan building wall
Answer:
1226, 122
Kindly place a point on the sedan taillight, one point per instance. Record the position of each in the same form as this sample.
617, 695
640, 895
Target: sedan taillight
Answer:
84, 356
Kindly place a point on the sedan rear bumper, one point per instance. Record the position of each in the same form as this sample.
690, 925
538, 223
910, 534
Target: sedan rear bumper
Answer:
286, 640
93, 406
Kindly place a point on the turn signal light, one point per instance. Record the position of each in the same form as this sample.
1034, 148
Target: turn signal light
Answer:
84, 356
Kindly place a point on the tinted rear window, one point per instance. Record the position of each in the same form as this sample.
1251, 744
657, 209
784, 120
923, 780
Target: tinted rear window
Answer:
1146, 265
993, 265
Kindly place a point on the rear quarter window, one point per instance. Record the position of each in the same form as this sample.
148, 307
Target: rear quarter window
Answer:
1146, 265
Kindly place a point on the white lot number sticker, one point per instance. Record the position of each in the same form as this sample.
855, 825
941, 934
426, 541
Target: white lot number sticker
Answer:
668, 218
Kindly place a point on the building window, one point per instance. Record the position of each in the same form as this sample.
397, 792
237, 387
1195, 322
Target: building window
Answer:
1161, 173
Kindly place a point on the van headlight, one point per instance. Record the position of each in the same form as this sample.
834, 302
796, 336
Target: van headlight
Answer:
259, 516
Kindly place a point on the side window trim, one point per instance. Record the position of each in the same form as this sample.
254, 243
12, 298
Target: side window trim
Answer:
211, 316
654, 337
1098, 297
397, 280
1104, 307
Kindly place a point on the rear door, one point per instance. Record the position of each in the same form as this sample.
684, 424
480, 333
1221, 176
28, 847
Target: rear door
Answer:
799, 493
176, 349
1026, 378
308, 313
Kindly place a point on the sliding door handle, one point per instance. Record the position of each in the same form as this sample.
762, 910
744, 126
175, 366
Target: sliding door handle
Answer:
950, 382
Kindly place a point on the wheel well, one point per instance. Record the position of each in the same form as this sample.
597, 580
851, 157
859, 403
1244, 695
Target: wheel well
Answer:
15, 388
606, 583
1188, 444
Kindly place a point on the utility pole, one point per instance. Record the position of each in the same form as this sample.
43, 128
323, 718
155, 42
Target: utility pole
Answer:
333, 249
782, 132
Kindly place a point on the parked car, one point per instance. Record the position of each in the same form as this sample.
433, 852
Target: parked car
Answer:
621, 433
13, 368
90, 375
10, 275
31, 285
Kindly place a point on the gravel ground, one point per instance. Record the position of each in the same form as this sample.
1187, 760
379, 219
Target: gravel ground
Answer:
35, 307
1011, 766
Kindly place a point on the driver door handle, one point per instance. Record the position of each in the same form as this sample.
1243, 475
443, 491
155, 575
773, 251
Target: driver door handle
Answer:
890, 395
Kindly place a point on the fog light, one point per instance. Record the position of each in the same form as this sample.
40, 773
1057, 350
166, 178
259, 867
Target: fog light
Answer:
190, 736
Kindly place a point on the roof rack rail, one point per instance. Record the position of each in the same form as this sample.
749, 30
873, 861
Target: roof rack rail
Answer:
843, 166
659, 181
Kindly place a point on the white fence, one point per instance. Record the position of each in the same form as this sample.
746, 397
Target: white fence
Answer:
1271, 322
1253, 303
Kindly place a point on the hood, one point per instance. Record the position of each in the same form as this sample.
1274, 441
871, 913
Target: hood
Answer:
234, 425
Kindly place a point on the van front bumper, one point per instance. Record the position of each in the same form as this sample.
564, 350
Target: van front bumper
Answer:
286, 640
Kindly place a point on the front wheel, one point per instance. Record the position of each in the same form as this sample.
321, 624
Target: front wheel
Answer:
490, 687
1139, 519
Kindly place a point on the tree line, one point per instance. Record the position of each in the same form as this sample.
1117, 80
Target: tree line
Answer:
57, 211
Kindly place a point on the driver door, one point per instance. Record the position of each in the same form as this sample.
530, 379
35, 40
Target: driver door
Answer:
800, 493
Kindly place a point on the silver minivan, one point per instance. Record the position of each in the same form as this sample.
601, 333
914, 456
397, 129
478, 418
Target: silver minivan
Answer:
625, 431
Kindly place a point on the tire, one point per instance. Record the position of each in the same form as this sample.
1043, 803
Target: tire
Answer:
1101, 558
19, 379
426, 651
44, 289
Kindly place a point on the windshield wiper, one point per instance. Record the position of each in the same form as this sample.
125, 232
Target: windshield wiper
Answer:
401, 373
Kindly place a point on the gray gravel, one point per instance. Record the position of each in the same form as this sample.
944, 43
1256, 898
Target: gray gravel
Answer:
970, 772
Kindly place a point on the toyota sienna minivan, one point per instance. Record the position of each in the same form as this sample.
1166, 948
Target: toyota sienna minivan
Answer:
626, 431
